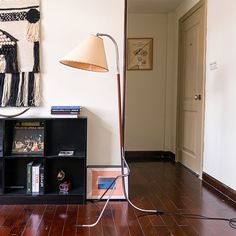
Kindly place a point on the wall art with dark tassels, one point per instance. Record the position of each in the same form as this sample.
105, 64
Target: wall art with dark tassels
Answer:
19, 53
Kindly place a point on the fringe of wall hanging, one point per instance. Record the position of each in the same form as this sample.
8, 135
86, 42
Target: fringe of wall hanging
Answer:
19, 79
19, 89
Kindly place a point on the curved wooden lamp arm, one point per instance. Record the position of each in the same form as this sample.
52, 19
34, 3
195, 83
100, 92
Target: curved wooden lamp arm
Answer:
15, 115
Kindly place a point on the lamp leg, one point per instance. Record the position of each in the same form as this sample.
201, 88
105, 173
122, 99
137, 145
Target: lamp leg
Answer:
104, 207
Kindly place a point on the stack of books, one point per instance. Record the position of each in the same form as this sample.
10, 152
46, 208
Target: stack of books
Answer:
35, 178
65, 110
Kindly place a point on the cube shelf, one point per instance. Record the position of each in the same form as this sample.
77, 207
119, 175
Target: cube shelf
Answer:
18, 149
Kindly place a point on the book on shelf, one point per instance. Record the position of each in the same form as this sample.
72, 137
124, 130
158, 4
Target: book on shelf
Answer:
65, 112
41, 179
29, 178
35, 178
66, 107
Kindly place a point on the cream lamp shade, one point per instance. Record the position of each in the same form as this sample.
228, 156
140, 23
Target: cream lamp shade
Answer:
89, 55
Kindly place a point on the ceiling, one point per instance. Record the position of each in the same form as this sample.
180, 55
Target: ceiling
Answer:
152, 6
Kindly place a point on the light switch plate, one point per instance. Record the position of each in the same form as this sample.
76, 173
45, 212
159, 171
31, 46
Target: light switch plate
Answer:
213, 65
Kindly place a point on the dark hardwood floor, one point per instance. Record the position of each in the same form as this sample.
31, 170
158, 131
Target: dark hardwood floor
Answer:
161, 185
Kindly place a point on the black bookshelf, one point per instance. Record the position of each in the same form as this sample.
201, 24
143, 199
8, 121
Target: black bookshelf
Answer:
59, 134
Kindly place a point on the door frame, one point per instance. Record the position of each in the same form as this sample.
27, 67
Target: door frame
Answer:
201, 3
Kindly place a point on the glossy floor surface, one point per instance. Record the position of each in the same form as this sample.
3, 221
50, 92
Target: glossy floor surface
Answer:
160, 185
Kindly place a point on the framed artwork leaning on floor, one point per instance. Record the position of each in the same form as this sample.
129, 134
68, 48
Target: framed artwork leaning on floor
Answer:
99, 179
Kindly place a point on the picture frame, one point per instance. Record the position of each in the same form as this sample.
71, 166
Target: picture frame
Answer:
139, 53
99, 179
28, 138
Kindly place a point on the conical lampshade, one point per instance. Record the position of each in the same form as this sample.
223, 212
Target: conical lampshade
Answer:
89, 55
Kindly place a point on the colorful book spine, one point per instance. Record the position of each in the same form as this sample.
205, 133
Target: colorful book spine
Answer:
64, 113
65, 107
29, 178
41, 180
35, 179
65, 110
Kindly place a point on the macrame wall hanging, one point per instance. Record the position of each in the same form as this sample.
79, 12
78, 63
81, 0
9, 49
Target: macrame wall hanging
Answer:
19, 53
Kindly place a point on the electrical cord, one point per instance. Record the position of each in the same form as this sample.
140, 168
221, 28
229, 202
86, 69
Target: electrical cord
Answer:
231, 221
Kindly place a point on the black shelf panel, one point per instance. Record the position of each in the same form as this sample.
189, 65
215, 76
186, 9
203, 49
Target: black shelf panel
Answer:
42, 199
77, 191
24, 157
22, 192
65, 157
9, 191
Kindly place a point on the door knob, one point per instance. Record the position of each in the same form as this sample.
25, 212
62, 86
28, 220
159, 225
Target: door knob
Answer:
198, 97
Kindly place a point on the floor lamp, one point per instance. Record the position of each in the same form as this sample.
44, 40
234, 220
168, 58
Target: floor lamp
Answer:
90, 55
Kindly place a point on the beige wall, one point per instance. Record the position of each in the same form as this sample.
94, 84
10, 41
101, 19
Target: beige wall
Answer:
145, 99
151, 98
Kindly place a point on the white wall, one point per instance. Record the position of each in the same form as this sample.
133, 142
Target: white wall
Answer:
220, 125
64, 25
145, 98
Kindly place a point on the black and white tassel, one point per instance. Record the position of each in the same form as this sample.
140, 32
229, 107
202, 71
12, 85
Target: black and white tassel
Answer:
2, 64
14, 89
37, 90
2, 78
19, 100
6, 89
31, 89
36, 68
11, 59
25, 86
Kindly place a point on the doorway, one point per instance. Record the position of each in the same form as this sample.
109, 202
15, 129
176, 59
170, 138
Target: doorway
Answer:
152, 117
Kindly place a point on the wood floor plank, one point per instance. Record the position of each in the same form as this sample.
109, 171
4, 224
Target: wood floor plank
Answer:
13, 215
3, 213
120, 216
58, 221
69, 227
133, 223
20, 223
34, 220
188, 230
95, 210
144, 219
4, 231
46, 222
108, 223
82, 218
163, 231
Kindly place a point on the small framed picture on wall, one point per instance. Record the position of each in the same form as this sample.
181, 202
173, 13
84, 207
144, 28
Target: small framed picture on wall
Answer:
140, 54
